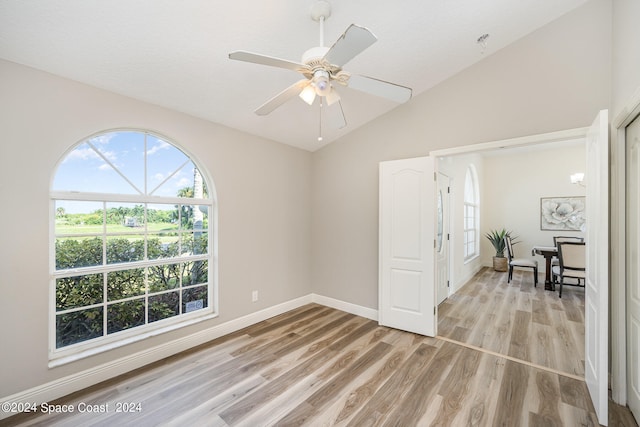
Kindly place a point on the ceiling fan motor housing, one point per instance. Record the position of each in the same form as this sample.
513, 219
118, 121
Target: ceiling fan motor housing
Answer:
313, 57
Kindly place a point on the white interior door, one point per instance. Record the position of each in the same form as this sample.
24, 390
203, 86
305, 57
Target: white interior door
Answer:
442, 237
633, 265
407, 217
597, 282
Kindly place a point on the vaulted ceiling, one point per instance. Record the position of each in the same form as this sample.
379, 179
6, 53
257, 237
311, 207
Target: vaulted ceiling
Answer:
175, 53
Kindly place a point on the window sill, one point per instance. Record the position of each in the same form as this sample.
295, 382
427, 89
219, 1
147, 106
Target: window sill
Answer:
60, 360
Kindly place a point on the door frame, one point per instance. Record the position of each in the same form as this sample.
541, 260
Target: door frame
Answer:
446, 234
618, 245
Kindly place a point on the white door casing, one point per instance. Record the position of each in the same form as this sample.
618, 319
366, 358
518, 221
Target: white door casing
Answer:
633, 265
442, 237
597, 280
406, 245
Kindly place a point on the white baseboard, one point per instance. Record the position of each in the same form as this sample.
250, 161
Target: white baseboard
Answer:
358, 310
460, 283
72, 383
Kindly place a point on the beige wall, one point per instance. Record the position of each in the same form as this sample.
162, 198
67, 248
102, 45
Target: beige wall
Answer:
626, 53
264, 200
556, 78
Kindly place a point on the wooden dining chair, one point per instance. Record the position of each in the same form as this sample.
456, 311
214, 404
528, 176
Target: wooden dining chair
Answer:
519, 262
562, 239
572, 257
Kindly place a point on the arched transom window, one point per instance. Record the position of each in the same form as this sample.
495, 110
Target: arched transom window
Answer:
133, 241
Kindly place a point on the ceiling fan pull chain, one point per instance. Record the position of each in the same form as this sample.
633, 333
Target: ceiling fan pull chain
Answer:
320, 123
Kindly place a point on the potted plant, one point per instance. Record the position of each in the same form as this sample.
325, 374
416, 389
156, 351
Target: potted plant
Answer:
496, 237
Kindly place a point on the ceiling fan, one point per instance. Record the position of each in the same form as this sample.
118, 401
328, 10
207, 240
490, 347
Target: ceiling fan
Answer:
322, 67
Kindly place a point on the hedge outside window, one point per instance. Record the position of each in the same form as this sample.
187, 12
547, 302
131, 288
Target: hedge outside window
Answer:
132, 240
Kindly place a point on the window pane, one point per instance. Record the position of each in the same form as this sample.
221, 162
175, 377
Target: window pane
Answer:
78, 291
125, 217
125, 249
78, 252
163, 306
194, 217
195, 273
98, 165
164, 277
162, 218
194, 299
166, 170
125, 315
470, 213
163, 245
125, 150
194, 243
78, 326
468, 188
125, 284
78, 218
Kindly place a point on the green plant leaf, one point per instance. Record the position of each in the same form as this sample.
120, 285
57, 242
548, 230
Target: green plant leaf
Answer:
496, 237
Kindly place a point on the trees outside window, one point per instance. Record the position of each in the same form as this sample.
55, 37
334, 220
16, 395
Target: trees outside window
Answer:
133, 226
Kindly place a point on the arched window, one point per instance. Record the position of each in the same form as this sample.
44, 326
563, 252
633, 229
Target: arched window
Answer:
133, 246
471, 214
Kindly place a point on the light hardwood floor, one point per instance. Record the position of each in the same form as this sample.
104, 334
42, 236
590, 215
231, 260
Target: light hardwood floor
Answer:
319, 366
519, 320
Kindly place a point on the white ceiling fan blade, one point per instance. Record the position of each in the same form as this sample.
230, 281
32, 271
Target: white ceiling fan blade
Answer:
380, 88
282, 97
335, 115
257, 58
353, 41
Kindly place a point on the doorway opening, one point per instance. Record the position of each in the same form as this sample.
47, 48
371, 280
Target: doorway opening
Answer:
517, 319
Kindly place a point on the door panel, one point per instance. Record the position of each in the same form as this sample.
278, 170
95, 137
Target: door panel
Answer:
597, 280
407, 215
633, 263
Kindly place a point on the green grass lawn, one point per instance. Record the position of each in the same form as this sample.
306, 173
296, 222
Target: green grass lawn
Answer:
114, 228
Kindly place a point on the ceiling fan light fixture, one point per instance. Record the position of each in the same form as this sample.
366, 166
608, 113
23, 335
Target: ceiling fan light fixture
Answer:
321, 82
308, 94
332, 97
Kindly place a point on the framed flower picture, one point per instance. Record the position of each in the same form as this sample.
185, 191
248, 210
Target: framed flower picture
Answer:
562, 213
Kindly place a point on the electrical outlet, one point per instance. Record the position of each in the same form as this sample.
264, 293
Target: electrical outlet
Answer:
254, 296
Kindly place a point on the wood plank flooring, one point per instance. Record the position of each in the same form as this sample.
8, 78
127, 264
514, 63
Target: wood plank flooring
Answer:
519, 320
319, 366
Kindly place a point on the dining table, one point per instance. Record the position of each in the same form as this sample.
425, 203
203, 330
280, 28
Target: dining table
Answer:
548, 252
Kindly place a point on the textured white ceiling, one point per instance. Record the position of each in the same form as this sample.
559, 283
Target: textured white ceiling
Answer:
175, 53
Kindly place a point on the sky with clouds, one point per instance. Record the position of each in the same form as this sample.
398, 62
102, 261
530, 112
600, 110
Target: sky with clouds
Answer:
124, 162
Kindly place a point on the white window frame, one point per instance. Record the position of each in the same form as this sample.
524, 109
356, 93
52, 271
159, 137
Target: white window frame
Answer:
471, 209
76, 351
